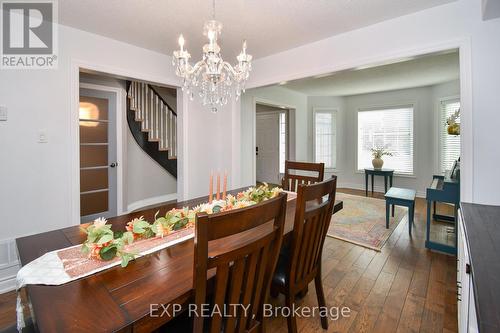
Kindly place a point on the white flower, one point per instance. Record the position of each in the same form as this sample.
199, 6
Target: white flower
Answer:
100, 222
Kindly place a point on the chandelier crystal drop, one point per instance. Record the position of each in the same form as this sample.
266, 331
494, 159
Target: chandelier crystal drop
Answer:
212, 78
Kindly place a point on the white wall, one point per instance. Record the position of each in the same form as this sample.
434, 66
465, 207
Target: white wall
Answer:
37, 180
425, 30
275, 96
425, 102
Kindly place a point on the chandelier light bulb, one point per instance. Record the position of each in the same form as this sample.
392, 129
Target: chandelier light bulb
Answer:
211, 36
181, 42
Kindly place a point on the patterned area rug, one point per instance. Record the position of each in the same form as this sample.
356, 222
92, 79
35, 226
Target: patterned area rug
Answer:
362, 221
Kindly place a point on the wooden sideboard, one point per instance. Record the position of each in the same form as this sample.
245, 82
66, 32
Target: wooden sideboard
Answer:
478, 268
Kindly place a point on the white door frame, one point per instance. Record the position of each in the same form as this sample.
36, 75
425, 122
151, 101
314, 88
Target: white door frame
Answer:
291, 129
466, 119
74, 137
121, 147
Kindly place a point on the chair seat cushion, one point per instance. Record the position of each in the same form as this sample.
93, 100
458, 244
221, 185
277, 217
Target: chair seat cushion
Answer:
401, 194
280, 273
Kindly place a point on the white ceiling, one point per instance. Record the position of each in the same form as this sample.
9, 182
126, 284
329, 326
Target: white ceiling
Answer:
270, 26
419, 72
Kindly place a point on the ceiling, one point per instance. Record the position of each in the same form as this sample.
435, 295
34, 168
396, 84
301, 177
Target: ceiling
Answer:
418, 72
270, 26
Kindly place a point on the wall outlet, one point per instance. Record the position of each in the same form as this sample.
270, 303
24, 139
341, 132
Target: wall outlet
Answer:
3, 113
42, 136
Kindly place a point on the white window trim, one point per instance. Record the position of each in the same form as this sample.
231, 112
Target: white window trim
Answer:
410, 104
437, 139
335, 112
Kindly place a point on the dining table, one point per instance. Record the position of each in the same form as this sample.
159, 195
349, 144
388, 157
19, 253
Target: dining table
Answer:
119, 299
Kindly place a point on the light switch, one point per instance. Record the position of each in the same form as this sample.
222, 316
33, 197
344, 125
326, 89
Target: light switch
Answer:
42, 136
3, 113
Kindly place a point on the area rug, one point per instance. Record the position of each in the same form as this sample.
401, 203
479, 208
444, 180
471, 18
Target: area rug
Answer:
362, 221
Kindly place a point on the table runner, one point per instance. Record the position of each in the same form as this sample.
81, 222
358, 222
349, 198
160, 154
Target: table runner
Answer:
65, 265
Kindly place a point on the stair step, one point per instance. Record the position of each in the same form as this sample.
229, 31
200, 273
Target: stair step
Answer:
154, 118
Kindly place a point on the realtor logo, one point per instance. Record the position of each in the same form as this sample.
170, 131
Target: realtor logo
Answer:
29, 39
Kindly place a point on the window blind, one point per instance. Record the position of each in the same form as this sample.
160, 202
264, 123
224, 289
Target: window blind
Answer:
282, 141
325, 137
391, 128
449, 145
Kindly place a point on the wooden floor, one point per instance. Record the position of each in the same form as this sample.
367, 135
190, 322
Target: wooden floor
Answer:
403, 288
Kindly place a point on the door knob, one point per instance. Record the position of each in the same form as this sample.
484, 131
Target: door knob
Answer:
114, 164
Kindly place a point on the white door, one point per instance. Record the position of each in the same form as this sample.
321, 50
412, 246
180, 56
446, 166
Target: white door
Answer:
268, 148
97, 155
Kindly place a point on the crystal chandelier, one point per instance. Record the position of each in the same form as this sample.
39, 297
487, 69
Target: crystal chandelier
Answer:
212, 76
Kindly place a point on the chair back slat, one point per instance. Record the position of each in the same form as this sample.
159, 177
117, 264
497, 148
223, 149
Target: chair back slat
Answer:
312, 219
243, 264
292, 179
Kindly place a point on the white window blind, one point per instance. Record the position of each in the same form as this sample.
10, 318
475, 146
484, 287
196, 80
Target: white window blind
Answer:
449, 145
325, 137
282, 141
391, 128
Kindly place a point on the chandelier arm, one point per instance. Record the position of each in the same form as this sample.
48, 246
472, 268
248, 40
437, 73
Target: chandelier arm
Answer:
234, 73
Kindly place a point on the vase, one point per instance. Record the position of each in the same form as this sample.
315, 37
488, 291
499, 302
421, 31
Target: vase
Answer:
377, 163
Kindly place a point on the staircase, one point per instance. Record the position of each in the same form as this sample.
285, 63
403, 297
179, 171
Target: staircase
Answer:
153, 123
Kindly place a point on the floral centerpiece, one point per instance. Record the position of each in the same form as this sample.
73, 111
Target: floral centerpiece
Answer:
377, 154
104, 244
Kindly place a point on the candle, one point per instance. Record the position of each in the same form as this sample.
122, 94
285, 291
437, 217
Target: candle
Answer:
218, 186
211, 187
225, 186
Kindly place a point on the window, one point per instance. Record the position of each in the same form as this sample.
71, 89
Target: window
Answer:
325, 139
449, 145
282, 141
390, 128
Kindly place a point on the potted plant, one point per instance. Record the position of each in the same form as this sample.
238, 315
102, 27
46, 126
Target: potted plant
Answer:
377, 154
453, 127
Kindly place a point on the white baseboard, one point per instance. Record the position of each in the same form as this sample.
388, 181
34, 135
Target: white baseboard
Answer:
150, 201
9, 265
377, 188
8, 279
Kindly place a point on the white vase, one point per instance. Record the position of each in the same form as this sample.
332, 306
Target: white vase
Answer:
377, 163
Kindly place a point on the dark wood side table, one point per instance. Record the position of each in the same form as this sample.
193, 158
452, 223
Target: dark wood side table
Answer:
387, 173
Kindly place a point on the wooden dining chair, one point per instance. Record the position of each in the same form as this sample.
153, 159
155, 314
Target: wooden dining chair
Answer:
244, 264
292, 179
299, 264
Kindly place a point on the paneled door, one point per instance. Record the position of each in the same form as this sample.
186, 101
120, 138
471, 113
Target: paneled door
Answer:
97, 154
268, 147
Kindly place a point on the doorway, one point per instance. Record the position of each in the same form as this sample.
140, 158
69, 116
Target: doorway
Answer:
271, 143
98, 154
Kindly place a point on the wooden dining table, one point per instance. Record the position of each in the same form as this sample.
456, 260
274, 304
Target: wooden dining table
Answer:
117, 299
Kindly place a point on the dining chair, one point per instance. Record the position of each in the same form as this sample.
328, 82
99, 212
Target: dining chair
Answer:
300, 263
243, 247
292, 178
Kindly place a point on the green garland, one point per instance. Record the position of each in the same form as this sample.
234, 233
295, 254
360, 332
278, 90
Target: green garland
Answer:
104, 244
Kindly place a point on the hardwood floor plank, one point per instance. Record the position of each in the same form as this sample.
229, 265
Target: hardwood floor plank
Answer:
359, 293
394, 302
367, 317
411, 315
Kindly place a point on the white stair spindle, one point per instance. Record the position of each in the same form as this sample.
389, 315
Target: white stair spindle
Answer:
165, 126
156, 122
160, 128
174, 153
